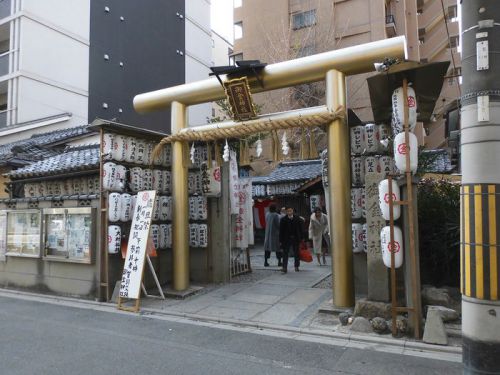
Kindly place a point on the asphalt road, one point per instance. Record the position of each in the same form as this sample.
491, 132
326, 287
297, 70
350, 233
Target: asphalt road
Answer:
41, 338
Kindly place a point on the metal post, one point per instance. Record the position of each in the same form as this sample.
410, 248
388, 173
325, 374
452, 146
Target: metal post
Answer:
180, 211
339, 179
480, 149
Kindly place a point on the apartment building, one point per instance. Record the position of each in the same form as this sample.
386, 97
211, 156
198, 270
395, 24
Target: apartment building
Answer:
284, 29
64, 63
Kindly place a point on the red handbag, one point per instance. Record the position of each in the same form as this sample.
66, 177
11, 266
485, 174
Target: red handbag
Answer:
304, 253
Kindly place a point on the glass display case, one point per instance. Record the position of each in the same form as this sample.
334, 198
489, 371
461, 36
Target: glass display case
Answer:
68, 234
23, 233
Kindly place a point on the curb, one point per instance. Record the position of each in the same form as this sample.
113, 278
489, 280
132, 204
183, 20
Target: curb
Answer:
348, 338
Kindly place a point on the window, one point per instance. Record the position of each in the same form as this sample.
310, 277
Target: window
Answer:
68, 234
452, 15
233, 59
304, 19
23, 233
237, 3
238, 30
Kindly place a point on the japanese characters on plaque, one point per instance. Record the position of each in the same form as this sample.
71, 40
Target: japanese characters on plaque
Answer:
240, 99
136, 250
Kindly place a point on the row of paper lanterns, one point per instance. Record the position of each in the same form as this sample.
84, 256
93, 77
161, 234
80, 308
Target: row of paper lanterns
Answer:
360, 165
69, 186
160, 233
365, 139
400, 151
134, 150
121, 207
114, 176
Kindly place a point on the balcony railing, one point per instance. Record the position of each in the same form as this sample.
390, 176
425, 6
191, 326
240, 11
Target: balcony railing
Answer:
390, 25
3, 118
4, 63
5, 10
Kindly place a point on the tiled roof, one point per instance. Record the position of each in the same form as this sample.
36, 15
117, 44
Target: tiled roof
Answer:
291, 171
35, 147
72, 160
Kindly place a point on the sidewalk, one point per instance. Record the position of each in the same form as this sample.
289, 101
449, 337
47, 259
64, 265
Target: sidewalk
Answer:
284, 299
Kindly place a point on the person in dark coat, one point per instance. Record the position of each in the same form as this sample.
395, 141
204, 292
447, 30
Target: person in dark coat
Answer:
272, 236
290, 237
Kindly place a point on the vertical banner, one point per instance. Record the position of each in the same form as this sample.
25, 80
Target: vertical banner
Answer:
3, 235
233, 183
133, 268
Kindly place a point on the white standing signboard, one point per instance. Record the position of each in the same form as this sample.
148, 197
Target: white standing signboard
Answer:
133, 268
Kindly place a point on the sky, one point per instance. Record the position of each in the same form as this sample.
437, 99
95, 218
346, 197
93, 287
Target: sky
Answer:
221, 18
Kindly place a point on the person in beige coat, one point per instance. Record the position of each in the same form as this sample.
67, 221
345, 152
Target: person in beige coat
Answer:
318, 227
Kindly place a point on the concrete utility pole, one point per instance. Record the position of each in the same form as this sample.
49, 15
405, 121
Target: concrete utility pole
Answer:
480, 232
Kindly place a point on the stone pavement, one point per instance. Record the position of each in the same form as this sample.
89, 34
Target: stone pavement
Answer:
284, 299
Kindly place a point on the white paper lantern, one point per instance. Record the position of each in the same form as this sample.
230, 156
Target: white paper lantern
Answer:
372, 138
148, 152
130, 149
193, 208
193, 235
166, 182
121, 173
141, 151
108, 176
125, 207
118, 152
163, 236
386, 165
398, 110
114, 239
155, 234
358, 144
357, 170
114, 207
202, 208
135, 179
396, 246
357, 235
258, 148
147, 179
167, 155
356, 203
107, 146
165, 208
400, 149
156, 209
371, 164
383, 199
363, 203
158, 179
203, 235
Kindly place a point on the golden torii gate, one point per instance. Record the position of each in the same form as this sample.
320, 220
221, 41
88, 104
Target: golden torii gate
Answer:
333, 67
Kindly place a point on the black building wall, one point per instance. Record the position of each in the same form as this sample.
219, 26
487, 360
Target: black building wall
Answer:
144, 36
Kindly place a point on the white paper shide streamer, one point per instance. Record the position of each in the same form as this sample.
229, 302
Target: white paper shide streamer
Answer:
284, 144
225, 154
258, 148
